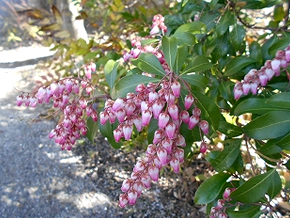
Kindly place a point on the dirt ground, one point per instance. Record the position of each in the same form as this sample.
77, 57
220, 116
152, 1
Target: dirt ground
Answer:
40, 180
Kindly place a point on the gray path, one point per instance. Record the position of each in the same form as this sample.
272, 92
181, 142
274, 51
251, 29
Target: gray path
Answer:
37, 179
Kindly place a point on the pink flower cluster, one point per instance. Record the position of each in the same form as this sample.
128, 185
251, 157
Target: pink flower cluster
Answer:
255, 78
219, 210
64, 94
158, 25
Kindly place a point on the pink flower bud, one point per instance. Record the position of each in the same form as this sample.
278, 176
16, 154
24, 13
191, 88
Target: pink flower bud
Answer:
180, 141
179, 154
84, 130
138, 123
76, 88
89, 111
193, 120
40, 93
174, 163
162, 155
146, 117
52, 134
153, 96
146, 180
170, 99
140, 88
151, 149
173, 111
33, 102
19, 100
88, 72
83, 103
127, 131
93, 67
123, 200
155, 30
157, 136
167, 144
196, 112
270, 73
275, 64
94, 116
120, 114
170, 130
246, 88
203, 147
139, 166
157, 163
118, 104
287, 55
188, 101
132, 196
163, 120
254, 87
138, 187
227, 193
130, 108
54, 89
184, 116
153, 172
68, 85
157, 108
118, 134
175, 87
204, 126
144, 106
112, 117
104, 116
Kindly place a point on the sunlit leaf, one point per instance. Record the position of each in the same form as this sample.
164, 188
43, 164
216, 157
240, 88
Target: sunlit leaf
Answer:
169, 47
110, 71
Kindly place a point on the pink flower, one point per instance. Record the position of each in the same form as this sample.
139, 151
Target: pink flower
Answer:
123, 200
146, 117
162, 155
118, 133
175, 87
153, 96
155, 30
203, 147
157, 108
167, 144
188, 101
163, 120
227, 193
275, 64
204, 126
127, 131
120, 114
157, 136
193, 120
146, 180
179, 154
184, 116
138, 123
153, 172
174, 163
40, 93
173, 111
132, 196
170, 130
246, 88
118, 104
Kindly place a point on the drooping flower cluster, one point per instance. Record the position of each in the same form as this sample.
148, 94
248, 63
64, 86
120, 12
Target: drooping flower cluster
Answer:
64, 94
219, 210
255, 78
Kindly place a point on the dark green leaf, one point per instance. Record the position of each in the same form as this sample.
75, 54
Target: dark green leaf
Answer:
270, 148
229, 130
149, 63
110, 71
92, 127
279, 45
228, 155
153, 126
281, 100
255, 52
198, 63
254, 189
225, 21
255, 106
181, 57
209, 109
107, 131
185, 38
237, 64
267, 45
193, 28
128, 84
237, 36
196, 80
284, 142
268, 126
275, 185
244, 211
169, 47
210, 188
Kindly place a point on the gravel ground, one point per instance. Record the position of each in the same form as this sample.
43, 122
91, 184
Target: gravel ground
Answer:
40, 180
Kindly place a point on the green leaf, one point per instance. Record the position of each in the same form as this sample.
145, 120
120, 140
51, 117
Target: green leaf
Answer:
228, 129
268, 126
169, 47
279, 45
254, 189
237, 64
284, 142
181, 57
185, 38
228, 155
210, 188
153, 126
149, 63
225, 21
244, 211
198, 63
237, 36
255, 106
110, 71
270, 148
107, 131
255, 52
92, 129
128, 84
281, 100
196, 27
275, 185
279, 12
267, 45
148, 41
196, 80
209, 109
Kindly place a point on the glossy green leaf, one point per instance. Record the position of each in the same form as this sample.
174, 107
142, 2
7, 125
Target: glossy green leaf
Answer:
92, 129
210, 188
169, 47
281, 100
270, 148
256, 52
237, 64
153, 126
267, 45
237, 36
229, 130
181, 57
128, 84
198, 63
268, 126
244, 211
149, 63
185, 38
107, 131
255, 106
228, 155
196, 80
196, 27
281, 44
279, 13
275, 185
254, 189
225, 21
209, 110
284, 142
110, 71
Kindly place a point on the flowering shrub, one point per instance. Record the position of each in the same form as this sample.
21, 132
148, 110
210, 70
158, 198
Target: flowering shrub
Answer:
187, 83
